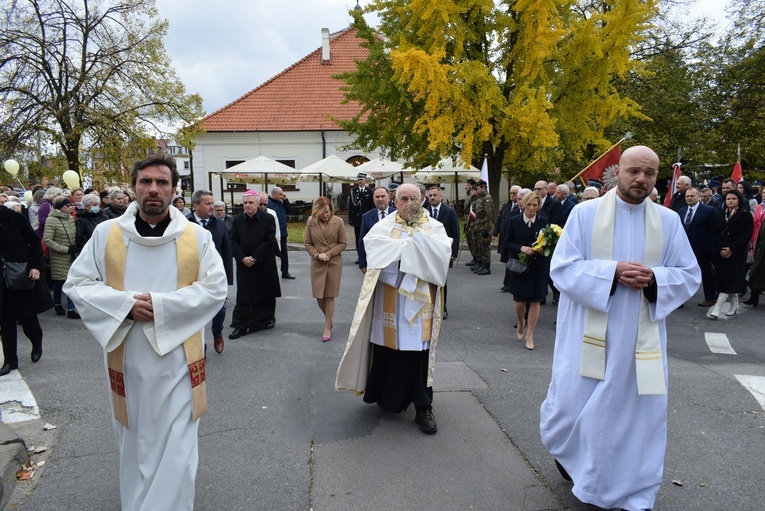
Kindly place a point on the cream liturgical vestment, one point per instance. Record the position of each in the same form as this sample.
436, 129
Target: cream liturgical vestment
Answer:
406, 271
158, 448
608, 436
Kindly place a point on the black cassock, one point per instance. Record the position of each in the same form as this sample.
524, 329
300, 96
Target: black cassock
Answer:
257, 286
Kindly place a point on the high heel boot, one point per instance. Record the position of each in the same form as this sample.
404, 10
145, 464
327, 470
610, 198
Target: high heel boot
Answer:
733, 305
721, 299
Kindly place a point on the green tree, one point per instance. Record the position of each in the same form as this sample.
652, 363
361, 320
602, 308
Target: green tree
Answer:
89, 77
735, 96
527, 82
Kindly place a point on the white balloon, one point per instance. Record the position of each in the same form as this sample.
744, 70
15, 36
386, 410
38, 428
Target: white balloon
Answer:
72, 179
28, 196
12, 166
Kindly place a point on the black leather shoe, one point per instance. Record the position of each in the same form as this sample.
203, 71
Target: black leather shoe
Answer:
426, 421
446, 313
562, 471
7, 368
73, 314
60, 310
470, 263
237, 333
485, 270
287, 276
36, 354
504, 289
270, 324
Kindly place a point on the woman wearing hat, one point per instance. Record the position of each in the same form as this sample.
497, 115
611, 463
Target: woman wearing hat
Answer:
61, 238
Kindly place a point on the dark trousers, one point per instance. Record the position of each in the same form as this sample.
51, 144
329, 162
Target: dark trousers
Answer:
10, 337
58, 286
284, 257
357, 232
217, 321
707, 277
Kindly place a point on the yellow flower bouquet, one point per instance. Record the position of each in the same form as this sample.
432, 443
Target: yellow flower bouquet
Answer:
545, 243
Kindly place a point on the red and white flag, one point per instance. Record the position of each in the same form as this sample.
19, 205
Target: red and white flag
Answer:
603, 168
737, 174
673, 185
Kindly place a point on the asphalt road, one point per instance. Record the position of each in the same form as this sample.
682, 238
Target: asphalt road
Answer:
278, 437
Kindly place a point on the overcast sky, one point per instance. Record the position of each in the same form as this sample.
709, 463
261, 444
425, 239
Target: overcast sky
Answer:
222, 49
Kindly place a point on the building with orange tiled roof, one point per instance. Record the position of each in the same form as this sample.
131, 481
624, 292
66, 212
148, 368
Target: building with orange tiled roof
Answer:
288, 118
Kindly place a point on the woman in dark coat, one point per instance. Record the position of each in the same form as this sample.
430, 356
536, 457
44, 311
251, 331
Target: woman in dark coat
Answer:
253, 242
531, 288
19, 243
325, 242
87, 219
730, 235
757, 273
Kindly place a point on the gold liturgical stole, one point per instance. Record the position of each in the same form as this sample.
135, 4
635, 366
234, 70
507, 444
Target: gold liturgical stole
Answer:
188, 269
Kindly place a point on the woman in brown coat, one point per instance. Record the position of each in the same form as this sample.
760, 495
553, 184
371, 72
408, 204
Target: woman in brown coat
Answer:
325, 241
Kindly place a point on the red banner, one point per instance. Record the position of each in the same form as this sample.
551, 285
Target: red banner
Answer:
673, 185
606, 164
737, 174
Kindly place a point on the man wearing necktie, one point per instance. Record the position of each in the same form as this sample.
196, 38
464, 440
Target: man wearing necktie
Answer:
447, 216
202, 203
698, 220
371, 217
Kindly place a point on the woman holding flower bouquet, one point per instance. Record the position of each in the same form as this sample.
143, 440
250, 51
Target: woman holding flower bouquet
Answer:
531, 287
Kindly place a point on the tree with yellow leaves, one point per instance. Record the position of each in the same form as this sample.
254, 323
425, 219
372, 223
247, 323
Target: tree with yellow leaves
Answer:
527, 82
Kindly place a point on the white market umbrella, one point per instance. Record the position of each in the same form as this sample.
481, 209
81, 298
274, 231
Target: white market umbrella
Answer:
380, 168
331, 168
260, 170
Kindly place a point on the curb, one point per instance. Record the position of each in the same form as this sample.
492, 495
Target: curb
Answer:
13, 455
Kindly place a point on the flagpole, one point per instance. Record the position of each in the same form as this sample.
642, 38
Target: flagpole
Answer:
626, 136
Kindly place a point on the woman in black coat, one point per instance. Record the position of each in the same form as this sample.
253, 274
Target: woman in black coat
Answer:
531, 288
87, 219
19, 243
730, 235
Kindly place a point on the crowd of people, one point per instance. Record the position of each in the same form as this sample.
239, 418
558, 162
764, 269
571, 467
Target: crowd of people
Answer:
407, 237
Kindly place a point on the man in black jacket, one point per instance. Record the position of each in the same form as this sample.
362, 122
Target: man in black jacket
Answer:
698, 220
203, 206
447, 216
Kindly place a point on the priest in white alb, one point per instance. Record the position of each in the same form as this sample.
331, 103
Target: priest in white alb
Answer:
390, 355
146, 284
622, 265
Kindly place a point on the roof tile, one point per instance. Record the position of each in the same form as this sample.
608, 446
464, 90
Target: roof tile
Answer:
299, 98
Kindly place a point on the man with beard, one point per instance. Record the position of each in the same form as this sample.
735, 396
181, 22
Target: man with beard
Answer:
622, 265
253, 240
146, 284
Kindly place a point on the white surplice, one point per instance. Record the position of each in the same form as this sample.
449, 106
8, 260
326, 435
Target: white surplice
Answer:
611, 440
159, 453
395, 258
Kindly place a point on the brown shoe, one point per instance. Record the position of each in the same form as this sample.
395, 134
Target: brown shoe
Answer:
219, 344
707, 303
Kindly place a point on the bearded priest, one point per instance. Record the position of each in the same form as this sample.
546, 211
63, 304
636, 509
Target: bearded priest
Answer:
622, 265
146, 284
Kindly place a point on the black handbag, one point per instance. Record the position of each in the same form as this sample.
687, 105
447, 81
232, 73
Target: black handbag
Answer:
16, 276
516, 267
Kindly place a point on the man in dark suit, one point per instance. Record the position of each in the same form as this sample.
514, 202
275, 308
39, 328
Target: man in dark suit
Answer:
678, 198
359, 202
203, 203
448, 217
381, 210
551, 208
698, 220
561, 194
